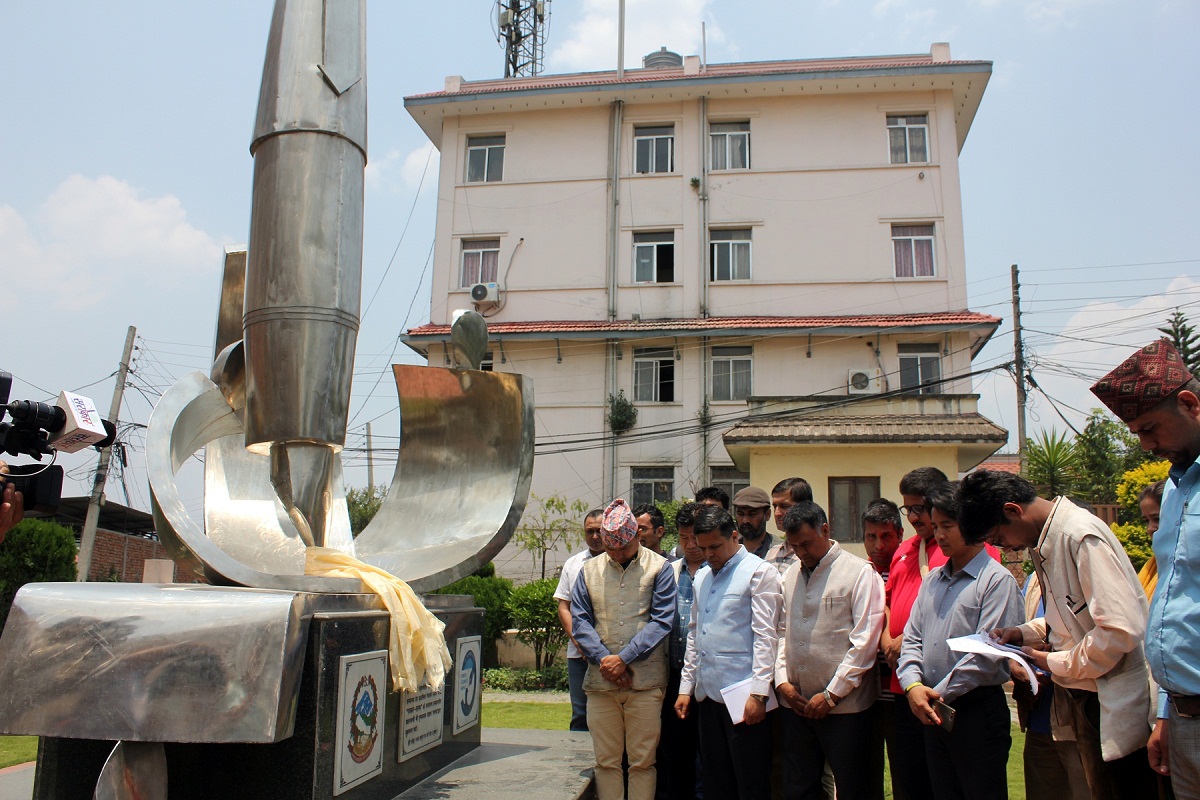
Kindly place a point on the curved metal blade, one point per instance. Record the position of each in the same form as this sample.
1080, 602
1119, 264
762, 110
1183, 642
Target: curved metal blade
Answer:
134, 771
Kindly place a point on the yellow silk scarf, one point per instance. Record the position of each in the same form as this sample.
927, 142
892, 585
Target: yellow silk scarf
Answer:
417, 652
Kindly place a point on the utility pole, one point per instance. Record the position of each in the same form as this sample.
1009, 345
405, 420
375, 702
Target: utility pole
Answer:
370, 461
87, 540
1019, 361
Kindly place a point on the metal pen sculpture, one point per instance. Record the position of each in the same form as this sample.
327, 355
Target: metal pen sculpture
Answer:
273, 411
224, 663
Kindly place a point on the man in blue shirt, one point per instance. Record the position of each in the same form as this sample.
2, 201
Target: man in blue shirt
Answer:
1156, 395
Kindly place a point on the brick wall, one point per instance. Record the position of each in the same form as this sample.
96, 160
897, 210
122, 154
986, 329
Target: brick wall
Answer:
120, 557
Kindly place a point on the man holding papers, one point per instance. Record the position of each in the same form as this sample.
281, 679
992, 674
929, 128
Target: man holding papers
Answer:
969, 594
829, 632
731, 637
1090, 640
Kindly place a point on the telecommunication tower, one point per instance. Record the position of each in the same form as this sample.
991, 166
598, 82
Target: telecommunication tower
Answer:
521, 30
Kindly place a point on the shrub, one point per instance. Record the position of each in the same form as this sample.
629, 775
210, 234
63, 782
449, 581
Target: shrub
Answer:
35, 550
535, 614
503, 679
1135, 540
491, 594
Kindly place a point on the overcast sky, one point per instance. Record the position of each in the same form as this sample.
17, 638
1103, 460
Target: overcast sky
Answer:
125, 171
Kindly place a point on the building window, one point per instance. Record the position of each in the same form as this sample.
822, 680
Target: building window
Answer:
920, 368
730, 254
654, 149
651, 485
488, 364
729, 479
479, 260
485, 159
731, 373
912, 246
848, 499
908, 138
654, 375
654, 257
730, 145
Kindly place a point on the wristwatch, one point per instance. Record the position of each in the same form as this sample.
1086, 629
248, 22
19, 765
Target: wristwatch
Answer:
762, 697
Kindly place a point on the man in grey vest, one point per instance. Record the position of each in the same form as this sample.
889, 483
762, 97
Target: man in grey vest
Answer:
829, 630
731, 640
622, 608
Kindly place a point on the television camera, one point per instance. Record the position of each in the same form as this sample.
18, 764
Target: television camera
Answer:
36, 429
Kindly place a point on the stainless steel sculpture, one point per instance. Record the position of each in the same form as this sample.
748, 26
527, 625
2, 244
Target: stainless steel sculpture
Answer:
224, 663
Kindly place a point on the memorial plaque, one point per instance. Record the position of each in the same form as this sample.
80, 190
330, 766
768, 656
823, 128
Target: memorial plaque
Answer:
362, 686
421, 717
468, 678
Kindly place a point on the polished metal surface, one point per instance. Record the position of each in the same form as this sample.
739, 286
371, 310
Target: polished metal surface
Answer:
460, 486
134, 771
462, 479
150, 663
304, 270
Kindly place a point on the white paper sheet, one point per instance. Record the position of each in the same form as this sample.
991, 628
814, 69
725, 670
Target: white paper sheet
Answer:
735, 696
984, 645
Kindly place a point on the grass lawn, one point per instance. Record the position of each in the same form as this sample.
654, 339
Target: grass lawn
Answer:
556, 716
17, 749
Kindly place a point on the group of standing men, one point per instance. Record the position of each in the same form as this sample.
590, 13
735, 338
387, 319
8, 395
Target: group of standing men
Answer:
681, 659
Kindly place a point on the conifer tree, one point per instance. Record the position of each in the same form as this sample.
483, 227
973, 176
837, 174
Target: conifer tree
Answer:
1183, 335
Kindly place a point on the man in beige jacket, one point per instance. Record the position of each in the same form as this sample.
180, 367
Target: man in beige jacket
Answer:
1090, 640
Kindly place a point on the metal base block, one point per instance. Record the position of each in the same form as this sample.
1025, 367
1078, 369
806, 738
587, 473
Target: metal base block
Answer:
306, 765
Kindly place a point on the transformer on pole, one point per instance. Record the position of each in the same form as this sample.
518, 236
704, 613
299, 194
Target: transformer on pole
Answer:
521, 30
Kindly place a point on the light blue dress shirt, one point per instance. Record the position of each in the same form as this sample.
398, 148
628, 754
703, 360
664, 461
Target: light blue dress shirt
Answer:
1173, 634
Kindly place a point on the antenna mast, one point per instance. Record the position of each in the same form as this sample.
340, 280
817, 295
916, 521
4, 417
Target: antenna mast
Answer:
522, 32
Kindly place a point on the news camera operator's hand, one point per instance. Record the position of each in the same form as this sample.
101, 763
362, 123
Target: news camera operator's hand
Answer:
12, 505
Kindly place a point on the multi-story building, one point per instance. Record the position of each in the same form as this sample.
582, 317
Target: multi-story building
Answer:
766, 259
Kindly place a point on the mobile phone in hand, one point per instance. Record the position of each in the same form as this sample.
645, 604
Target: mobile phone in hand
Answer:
945, 714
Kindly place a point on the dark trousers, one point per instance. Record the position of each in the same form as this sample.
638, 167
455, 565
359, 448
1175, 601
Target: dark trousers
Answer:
883, 732
1129, 776
736, 759
677, 749
838, 738
971, 763
576, 670
1053, 770
910, 773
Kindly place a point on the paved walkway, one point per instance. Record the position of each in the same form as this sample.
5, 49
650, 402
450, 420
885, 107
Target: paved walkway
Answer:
16, 783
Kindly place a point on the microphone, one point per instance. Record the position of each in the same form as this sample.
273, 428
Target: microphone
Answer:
73, 422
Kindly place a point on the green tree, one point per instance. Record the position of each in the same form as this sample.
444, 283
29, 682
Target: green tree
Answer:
363, 504
1053, 464
1106, 450
669, 509
535, 615
35, 550
1183, 335
491, 594
555, 525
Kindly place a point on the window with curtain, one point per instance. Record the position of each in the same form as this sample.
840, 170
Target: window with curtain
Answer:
920, 368
480, 257
731, 373
908, 138
848, 499
485, 159
654, 149
730, 254
654, 257
730, 145
653, 375
912, 247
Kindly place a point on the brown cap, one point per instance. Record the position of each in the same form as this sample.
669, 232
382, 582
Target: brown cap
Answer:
1143, 380
752, 497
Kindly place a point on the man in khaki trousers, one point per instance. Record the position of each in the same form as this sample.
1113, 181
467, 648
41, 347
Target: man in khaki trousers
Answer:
622, 608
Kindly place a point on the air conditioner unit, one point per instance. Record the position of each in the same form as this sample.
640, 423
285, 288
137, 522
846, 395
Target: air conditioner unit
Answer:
864, 381
485, 293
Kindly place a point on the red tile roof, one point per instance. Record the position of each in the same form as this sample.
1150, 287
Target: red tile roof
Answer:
583, 328
873, 429
806, 66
